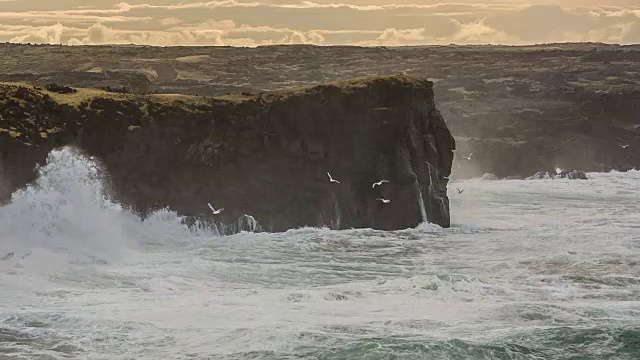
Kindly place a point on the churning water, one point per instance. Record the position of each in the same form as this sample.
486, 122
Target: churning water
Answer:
534, 269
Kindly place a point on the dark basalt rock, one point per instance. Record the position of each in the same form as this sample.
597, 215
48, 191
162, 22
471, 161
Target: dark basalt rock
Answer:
265, 155
571, 175
540, 175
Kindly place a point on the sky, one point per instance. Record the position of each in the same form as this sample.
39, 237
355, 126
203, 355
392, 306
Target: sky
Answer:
321, 22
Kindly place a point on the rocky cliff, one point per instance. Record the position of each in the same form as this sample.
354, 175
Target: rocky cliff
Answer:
264, 154
519, 109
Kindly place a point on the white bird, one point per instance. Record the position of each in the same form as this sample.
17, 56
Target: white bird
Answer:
460, 191
384, 201
624, 146
215, 212
378, 183
468, 157
332, 179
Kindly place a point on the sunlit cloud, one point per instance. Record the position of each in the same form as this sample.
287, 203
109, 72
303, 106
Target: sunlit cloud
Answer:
252, 23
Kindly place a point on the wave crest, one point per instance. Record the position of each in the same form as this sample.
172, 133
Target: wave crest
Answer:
67, 210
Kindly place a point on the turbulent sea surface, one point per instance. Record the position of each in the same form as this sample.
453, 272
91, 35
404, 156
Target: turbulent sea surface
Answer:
533, 269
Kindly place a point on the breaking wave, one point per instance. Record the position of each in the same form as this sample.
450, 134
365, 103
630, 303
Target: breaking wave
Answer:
67, 210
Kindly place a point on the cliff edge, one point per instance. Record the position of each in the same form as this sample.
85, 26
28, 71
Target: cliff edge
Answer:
265, 154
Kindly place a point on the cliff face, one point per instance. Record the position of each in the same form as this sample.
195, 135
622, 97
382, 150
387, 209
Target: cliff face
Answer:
266, 155
518, 109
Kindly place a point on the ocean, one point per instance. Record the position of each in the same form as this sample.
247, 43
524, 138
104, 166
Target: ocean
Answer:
530, 269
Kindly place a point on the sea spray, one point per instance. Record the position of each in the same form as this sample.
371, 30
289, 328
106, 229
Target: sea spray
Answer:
64, 209
68, 210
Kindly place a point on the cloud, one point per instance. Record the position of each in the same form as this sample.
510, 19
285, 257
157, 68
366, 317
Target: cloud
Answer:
479, 33
394, 37
101, 34
46, 34
631, 33
252, 23
210, 33
312, 37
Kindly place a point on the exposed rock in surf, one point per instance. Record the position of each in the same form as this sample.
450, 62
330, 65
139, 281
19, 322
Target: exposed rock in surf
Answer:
540, 175
571, 175
266, 155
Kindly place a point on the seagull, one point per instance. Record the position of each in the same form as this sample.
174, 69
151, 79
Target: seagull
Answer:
332, 179
378, 183
624, 146
215, 212
468, 157
384, 201
460, 191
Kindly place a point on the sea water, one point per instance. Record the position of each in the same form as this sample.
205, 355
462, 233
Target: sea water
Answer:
530, 269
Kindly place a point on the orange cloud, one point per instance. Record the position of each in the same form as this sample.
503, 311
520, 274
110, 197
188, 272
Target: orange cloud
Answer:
252, 23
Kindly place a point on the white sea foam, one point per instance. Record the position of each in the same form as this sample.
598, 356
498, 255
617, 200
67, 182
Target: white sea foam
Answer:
90, 280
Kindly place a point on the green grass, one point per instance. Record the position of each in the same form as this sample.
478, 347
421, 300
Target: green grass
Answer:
84, 96
344, 85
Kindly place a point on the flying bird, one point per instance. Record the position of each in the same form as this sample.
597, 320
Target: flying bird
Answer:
460, 191
468, 157
624, 146
332, 179
384, 201
215, 212
378, 183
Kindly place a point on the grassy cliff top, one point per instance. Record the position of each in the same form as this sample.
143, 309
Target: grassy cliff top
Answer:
85, 95
31, 112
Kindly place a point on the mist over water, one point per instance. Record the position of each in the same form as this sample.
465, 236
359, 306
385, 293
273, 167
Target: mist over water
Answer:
531, 269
